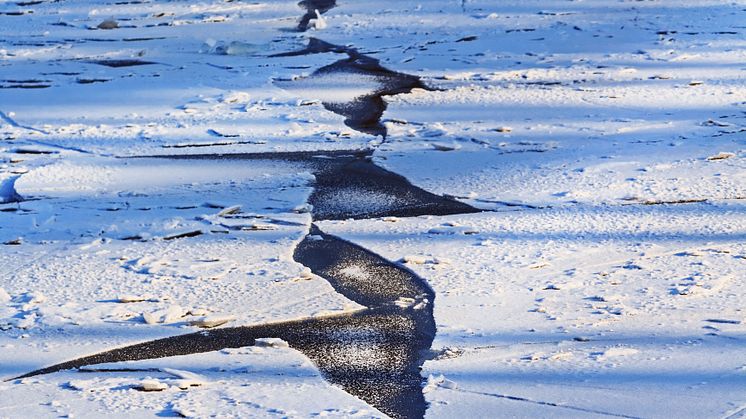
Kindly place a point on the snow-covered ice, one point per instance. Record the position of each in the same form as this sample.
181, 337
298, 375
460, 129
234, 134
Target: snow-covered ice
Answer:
606, 140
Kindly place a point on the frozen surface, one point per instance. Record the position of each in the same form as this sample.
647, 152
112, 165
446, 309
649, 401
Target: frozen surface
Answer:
135, 249
608, 136
242, 382
625, 311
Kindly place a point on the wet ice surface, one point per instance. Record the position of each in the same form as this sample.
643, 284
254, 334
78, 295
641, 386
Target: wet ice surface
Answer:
357, 188
359, 275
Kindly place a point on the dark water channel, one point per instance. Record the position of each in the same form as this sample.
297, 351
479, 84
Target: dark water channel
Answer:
354, 187
362, 113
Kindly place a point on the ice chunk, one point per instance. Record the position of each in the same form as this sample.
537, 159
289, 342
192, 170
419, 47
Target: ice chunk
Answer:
318, 23
185, 379
212, 321
108, 24
151, 385
150, 318
453, 230
303, 208
306, 274
8, 192
131, 299
198, 312
414, 259
230, 211
172, 314
272, 343
236, 48
235, 97
446, 147
441, 381
441, 261
721, 156
404, 302
167, 315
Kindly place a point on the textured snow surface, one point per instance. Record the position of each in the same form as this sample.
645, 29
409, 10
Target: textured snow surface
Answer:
609, 138
635, 312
